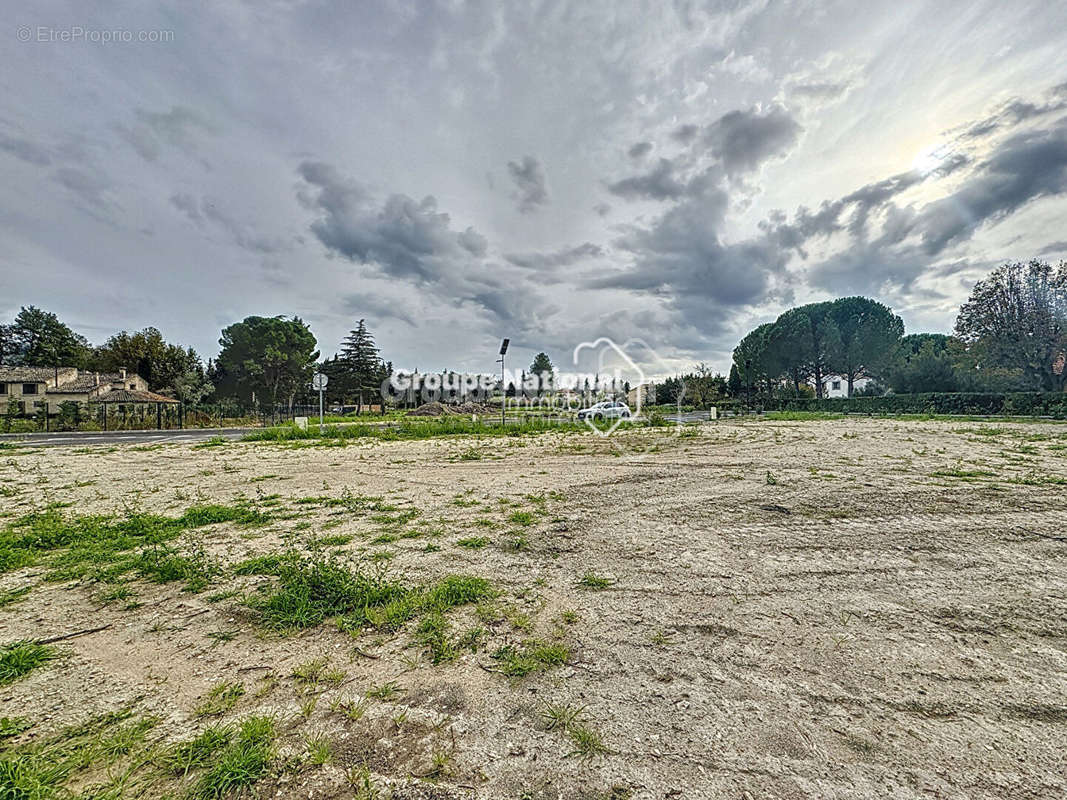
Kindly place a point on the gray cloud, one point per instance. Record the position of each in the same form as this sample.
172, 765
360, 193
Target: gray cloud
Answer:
403, 237
412, 241
374, 307
659, 183
1053, 248
91, 188
639, 150
685, 133
681, 256
557, 258
744, 140
531, 191
208, 211
1016, 111
25, 150
473, 242
820, 90
431, 103
1022, 168
178, 127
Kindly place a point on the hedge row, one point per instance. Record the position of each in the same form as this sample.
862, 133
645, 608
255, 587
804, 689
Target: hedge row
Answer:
1023, 404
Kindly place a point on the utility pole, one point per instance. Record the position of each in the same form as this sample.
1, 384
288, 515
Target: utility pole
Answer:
503, 388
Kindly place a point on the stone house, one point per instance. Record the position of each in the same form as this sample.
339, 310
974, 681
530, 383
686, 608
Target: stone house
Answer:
28, 387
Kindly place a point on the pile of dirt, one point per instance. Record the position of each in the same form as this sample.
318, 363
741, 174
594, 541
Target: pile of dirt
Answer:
436, 409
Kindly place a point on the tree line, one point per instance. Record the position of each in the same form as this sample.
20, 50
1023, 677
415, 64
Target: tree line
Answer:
1010, 335
262, 360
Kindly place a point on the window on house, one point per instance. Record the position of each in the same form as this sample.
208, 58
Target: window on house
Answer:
836, 385
29, 388
3, 388
133, 386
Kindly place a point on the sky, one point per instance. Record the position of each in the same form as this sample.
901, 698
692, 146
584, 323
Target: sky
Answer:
554, 172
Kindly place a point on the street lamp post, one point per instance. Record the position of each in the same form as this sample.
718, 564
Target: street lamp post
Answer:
503, 387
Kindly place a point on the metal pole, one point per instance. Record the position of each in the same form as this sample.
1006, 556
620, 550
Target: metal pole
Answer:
320, 412
503, 393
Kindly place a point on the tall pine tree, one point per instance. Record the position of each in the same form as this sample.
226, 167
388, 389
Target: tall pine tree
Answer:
363, 366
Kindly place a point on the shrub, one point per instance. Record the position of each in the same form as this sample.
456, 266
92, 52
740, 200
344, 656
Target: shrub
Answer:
1029, 404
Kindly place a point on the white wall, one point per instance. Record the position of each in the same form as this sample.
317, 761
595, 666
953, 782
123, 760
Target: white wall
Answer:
842, 385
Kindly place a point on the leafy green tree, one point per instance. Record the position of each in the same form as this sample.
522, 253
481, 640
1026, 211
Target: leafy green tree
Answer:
925, 365
1016, 319
145, 352
869, 333
266, 357
733, 385
8, 349
753, 359
193, 385
38, 339
804, 343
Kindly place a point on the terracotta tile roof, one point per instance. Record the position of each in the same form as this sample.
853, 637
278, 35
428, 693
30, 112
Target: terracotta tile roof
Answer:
86, 382
132, 396
27, 374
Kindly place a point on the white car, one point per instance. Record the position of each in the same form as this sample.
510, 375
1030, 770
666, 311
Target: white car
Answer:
608, 409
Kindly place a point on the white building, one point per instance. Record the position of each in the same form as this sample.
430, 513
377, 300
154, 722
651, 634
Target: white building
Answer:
837, 385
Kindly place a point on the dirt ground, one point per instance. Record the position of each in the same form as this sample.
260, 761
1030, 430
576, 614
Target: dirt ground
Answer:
818, 609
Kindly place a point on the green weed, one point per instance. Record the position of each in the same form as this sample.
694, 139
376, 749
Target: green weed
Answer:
19, 659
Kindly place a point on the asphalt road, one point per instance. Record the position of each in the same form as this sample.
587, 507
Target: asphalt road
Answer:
77, 439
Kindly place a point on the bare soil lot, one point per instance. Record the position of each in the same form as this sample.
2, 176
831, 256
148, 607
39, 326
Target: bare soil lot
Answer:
825, 609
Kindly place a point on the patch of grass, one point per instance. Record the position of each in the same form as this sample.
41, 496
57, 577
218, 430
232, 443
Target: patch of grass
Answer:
112, 595
963, 474
19, 659
532, 656
12, 596
315, 672
335, 540
433, 634
1037, 479
316, 588
470, 454
260, 565
561, 716
163, 564
587, 742
214, 441
13, 726
800, 416
198, 751
42, 769
523, 518
220, 698
591, 580
103, 547
386, 691
411, 428
239, 764
318, 751
474, 542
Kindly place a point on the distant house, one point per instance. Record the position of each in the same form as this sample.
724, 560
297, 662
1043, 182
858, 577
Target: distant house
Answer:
29, 387
644, 394
837, 385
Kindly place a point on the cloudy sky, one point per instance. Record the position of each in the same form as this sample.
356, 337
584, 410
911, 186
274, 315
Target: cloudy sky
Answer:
456, 171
